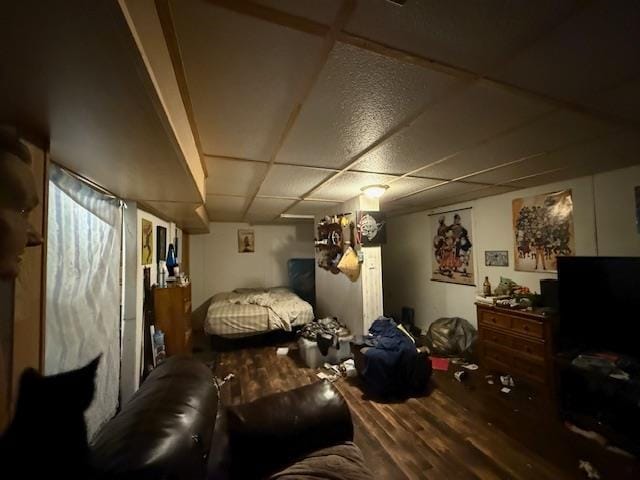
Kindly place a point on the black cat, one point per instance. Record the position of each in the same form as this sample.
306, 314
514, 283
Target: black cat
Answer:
48, 434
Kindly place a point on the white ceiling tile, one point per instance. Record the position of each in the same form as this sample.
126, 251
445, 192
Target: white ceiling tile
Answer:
290, 181
266, 209
225, 209
594, 50
472, 35
243, 75
322, 11
579, 160
232, 177
476, 113
348, 185
358, 98
311, 207
622, 101
554, 131
405, 186
437, 193
478, 192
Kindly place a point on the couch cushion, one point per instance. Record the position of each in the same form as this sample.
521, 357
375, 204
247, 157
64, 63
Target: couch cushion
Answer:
339, 462
165, 430
273, 431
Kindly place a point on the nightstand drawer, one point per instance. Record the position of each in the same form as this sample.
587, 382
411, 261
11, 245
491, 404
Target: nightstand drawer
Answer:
495, 320
528, 327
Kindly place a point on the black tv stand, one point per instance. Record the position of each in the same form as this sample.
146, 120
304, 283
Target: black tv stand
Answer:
593, 400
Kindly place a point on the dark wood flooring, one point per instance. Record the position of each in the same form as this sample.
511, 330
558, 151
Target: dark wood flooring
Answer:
457, 431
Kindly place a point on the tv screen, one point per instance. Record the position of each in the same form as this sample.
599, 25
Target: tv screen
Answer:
599, 304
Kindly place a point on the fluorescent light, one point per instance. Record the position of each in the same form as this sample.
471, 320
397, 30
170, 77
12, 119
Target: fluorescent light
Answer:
293, 215
374, 191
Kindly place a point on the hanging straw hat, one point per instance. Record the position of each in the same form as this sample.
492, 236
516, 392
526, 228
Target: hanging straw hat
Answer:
349, 264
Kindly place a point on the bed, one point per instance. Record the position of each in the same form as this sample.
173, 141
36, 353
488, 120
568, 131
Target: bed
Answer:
249, 312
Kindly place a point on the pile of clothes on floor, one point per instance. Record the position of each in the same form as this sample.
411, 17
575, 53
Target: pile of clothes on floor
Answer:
389, 362
326, 332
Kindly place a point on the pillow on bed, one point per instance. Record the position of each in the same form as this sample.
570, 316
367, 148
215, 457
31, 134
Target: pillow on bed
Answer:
250, 290
280, 290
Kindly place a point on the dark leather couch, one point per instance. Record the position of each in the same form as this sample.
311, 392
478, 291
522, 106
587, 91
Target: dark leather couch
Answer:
175, 428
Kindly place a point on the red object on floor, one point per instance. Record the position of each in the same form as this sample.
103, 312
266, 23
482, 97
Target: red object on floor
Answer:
439, 363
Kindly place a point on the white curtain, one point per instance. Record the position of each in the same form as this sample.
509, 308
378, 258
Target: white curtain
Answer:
83, 287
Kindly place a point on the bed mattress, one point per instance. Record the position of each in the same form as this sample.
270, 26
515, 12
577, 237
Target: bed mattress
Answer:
250, 312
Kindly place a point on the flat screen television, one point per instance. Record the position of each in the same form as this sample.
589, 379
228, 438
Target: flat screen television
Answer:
599, 300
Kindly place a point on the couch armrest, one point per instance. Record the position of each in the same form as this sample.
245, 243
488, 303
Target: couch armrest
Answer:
165, 429
276, 430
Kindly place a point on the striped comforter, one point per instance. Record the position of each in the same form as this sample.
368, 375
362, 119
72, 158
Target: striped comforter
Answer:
250, 312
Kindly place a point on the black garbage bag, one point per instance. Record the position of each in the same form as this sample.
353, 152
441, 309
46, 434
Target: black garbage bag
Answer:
451, 336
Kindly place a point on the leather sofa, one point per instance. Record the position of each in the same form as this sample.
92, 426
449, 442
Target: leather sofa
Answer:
174, 427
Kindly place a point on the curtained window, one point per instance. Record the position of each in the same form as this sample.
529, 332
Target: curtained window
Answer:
83, 287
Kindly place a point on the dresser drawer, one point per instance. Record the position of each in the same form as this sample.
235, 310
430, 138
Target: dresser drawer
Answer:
531, 370
529, 347
527, 327
497, 354
494, 336
495, 320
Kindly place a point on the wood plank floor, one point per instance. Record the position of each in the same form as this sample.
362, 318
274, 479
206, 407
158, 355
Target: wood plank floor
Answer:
450, 433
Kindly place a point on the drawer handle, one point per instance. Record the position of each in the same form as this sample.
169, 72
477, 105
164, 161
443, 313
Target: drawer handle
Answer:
493, 319
526, 328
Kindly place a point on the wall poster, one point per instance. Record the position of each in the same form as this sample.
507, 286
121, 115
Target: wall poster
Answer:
246, 241
146, 254
452, 257
542, 231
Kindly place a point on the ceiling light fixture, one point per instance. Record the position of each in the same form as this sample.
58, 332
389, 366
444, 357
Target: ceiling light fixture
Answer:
374, 191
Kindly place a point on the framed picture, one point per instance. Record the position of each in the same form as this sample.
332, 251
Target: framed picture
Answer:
542, 231
371, 227
452, 253
161, 240
496, 258
146, 253
246, 241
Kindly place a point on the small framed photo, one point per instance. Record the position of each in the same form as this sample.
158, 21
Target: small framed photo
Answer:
496, 258
246, 242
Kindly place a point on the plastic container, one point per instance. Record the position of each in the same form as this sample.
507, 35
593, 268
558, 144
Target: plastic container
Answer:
311, 355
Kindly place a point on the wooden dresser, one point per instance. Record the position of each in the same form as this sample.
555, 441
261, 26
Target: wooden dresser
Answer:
519, 343
172, 315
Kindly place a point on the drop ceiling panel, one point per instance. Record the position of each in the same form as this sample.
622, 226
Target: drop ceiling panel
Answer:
472, 35
437, 193
478, 192
586, 159
595, 50
225, 209
622, 101
348, 185
358, 98
266, 209
290, 181
243, 75
406, 185
477, 113
554, 131
232, 177
310, 207
322, 11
